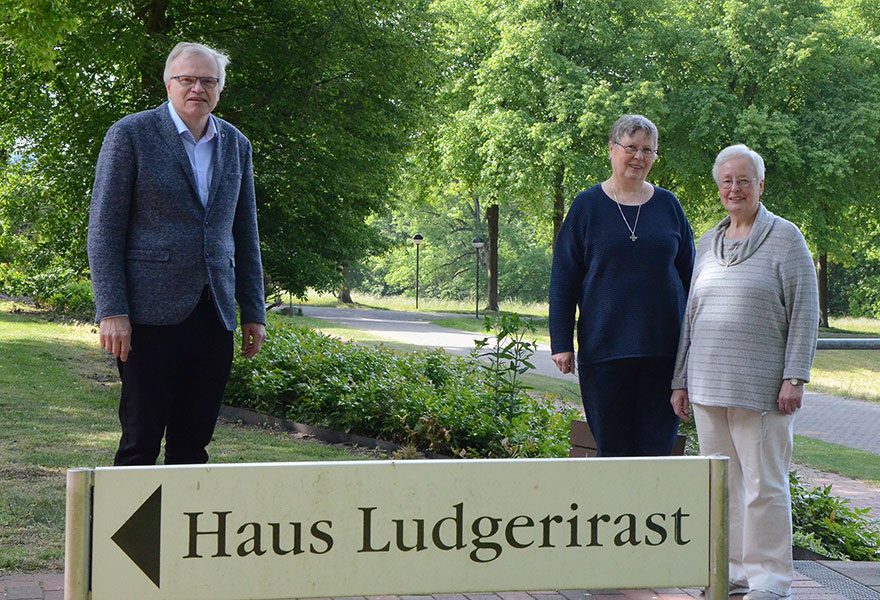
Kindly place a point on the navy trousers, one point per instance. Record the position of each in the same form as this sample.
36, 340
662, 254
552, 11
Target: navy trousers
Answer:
172, 386
627, 405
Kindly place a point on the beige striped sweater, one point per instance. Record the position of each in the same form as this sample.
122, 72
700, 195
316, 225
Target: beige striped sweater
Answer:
752, 316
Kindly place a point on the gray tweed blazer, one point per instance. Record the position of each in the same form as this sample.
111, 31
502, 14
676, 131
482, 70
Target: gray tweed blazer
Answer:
152, 245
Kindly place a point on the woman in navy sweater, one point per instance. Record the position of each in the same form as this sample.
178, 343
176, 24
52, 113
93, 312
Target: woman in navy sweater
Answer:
623, 258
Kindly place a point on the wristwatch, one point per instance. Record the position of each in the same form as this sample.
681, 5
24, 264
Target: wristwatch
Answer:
795, 381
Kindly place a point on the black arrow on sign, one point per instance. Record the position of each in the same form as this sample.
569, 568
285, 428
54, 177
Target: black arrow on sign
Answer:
140, 537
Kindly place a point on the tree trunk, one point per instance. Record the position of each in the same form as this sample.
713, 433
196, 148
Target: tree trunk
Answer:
822, 276
558, 202
492, 290
344, 294
154, 16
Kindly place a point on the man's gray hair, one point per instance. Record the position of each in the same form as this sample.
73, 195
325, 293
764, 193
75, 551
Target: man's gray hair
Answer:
736, 151
629, 124
193, 48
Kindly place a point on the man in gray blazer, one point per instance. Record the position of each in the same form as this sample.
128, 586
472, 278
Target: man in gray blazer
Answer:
173, 245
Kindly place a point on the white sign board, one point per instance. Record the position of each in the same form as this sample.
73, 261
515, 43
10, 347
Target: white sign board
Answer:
231, 532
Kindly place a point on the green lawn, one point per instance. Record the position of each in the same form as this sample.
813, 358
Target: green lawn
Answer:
857, 464
58, 400
465, 307
847, 373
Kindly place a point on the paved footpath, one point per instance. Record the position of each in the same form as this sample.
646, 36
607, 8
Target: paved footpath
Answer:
823, 580
831, 419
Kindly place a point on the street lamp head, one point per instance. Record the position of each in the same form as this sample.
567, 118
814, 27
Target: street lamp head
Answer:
417, 239
477, 243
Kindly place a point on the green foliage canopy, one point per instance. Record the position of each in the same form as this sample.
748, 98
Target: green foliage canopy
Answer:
787, 79
500, 101
327, 93
522, 114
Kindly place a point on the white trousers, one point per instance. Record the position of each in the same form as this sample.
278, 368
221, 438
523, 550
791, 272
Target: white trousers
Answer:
759, 448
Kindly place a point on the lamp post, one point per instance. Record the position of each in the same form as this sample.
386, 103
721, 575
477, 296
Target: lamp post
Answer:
417, 239
477, 243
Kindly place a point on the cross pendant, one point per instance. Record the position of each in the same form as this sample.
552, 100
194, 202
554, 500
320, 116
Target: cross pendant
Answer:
633, 237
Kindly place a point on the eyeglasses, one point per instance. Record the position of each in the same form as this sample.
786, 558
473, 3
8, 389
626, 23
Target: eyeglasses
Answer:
633, 150
743, 184
187, 81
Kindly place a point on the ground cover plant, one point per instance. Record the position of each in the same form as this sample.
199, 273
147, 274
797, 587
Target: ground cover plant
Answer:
814, 453
427, 399
828, 525
847, 373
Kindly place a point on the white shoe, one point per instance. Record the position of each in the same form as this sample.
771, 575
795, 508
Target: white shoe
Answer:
734, 590
765, 595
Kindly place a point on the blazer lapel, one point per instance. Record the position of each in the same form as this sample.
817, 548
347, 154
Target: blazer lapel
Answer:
219, 153
171, 138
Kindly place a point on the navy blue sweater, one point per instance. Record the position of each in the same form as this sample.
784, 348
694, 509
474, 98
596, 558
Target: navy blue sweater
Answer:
631, 295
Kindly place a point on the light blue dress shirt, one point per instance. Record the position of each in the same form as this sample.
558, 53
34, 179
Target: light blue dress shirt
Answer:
201, 153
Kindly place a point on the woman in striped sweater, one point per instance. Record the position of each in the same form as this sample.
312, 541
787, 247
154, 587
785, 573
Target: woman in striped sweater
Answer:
747, 344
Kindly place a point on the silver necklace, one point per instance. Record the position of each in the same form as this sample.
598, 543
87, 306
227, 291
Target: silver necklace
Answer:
632, 230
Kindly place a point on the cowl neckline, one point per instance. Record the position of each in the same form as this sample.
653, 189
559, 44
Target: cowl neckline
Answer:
737, 253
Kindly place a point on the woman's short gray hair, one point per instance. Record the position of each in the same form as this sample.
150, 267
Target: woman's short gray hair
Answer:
193, 48
736, 151
629, 124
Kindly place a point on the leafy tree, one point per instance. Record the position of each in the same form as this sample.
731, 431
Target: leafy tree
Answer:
445, 170
342, 86
498, 102
446, 256
522, 112
327, 93
35, 27
561, 74
785, 78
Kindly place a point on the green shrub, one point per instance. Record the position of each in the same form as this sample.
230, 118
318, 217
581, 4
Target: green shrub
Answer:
854, 289
72, 299
427, 399
12, 280
827, 524
56, 288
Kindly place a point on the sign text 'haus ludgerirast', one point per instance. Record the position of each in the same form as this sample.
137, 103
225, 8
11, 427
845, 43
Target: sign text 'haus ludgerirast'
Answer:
485, 537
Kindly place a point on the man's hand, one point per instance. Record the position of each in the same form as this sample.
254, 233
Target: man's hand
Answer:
790, 397
681, 404
116, 336
564, 361
252, 337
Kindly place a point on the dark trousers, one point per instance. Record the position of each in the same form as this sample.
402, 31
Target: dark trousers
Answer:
627, 406
172, 385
